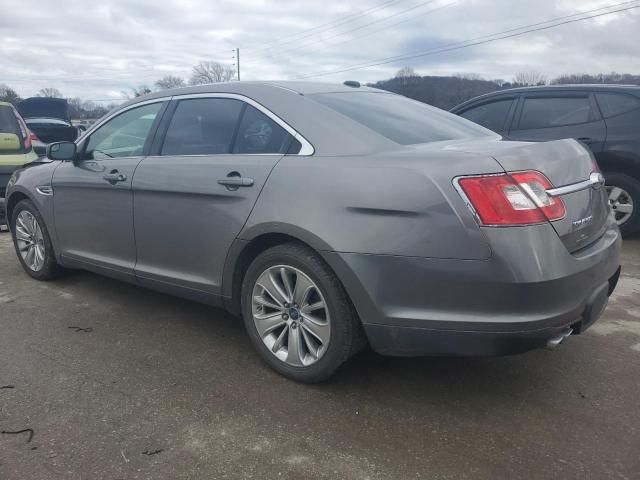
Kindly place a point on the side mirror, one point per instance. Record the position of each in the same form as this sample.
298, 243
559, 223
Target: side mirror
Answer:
61, 151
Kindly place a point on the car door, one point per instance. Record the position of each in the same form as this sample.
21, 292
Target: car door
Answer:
193, 196
93, 200
494, 114
544, 116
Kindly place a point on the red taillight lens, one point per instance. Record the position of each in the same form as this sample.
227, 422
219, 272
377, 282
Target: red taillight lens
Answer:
26, 133
32, 138
512, 199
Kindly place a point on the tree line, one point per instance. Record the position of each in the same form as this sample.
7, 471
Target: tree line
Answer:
447, 92
439, 91
204, 72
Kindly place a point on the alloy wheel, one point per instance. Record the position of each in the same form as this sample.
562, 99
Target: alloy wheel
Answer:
621, 203
291, 315
30, 241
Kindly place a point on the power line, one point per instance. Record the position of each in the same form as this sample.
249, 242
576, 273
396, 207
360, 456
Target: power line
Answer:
366, 34
402, 12
330, 25
466, 43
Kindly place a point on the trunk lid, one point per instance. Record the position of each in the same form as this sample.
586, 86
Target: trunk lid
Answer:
45, 108
564, 163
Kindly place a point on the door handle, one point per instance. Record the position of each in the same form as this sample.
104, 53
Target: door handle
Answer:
234, 180
114, 177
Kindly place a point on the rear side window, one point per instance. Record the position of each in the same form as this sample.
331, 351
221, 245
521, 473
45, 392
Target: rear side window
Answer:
554, 112
612, 104
399, 119
260, 134
491, 115
203, 126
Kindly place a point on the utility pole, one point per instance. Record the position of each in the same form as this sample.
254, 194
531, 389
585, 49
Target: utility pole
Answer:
238, 62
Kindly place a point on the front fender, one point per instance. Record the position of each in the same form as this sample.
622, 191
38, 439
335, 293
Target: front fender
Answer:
23, 185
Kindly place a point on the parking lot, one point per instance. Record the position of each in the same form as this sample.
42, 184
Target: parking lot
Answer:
119, 382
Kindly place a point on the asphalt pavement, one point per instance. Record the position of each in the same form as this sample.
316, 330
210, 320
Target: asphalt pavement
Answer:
105, 380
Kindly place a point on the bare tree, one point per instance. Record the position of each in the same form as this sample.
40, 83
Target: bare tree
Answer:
170, 81
137, 92
468, 76
530, 78
406, 72
8, 94
211, 72
50, 92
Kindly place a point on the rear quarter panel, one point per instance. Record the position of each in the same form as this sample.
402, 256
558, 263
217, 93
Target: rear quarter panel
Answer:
387, 204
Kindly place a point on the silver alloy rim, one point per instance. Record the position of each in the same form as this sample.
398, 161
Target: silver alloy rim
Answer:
621, 203
291, 315
30, 241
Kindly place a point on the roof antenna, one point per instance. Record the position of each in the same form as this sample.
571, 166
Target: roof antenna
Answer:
352, 83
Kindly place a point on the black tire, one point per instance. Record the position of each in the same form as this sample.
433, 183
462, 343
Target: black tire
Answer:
50, 270
632, 186
346, 335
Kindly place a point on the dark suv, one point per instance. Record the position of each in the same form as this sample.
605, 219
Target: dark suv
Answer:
605, 117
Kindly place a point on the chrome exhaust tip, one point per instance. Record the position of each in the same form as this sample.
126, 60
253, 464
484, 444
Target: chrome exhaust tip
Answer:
557, 340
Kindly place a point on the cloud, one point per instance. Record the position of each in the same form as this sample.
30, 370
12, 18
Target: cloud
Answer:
94, 50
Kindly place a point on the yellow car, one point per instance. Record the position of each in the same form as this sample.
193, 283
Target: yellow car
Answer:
15, 147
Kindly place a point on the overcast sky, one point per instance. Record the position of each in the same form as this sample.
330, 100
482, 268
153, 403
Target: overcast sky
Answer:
95, 50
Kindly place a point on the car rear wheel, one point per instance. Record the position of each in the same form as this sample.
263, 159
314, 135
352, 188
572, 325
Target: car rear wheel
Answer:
33, 243
297, 314
624, 199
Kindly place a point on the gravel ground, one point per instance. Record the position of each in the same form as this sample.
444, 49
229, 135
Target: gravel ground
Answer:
152, 387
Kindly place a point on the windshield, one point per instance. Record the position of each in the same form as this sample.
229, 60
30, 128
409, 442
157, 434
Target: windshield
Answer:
400, 119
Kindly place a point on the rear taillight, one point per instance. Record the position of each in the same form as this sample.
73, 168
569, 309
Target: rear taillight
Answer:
32, 137
27, 135
518, 198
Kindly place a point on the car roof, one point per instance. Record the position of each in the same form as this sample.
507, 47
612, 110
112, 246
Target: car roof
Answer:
248, 87
635, 89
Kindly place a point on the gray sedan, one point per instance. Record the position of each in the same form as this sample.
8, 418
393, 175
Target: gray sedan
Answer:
329, 217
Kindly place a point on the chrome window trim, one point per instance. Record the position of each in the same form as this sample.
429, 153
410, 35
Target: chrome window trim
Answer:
306, 149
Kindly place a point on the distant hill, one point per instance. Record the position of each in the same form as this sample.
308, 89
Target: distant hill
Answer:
441, 92
447, 92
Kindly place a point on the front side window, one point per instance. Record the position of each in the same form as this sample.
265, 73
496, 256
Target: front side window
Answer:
399, 119
124, 135
554, 112
612, 104
492, 115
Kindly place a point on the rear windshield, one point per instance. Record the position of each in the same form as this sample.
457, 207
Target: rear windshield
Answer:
8, 122
400, 119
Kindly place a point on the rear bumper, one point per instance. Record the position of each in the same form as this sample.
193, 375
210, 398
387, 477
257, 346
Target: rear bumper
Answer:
415, 341
530, 291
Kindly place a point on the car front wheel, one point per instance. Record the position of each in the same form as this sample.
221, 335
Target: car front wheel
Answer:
297, 313
32, 242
